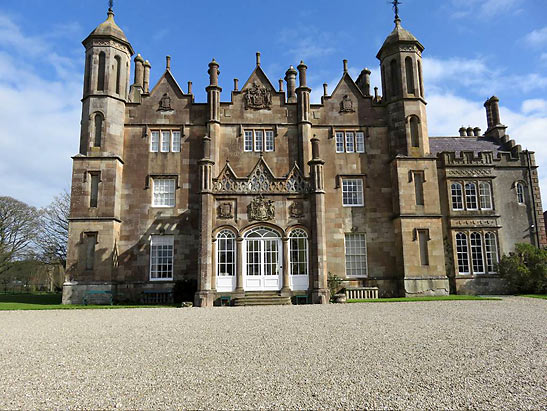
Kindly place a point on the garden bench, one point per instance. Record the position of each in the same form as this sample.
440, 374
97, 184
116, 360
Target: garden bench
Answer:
157, 297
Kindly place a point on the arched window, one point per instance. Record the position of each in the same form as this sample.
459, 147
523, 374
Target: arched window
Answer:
118, 70
485, 195
298, 252
98, 129
462, 252
394, 77
414, 132
476, 253
226, 255
410, 89
491, 250
457, 196
102, 70
88, 67
420, 79
471, 196
520, 193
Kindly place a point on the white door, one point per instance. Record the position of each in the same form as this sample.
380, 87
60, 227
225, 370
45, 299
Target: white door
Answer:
262, 266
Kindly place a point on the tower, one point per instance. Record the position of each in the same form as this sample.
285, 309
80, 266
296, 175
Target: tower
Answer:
97, 169
402, 83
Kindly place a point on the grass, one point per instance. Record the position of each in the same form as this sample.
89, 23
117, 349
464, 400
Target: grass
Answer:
417, 299
46, 301
541, 296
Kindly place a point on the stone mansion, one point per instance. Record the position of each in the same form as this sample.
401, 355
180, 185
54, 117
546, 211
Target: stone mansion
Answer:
265, 193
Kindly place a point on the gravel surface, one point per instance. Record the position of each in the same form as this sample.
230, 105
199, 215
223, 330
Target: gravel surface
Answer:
427, 355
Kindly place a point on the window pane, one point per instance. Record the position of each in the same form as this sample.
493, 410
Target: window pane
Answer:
155, 141
462, 253
269, 141
491, 251
356, 255
259, 140
164, 192
476, 253
165, 141
339, 142
485, 194
349, 142
360, 142
225, 253
298, 255
352, 192
161, 257
520, 193
471, 196
248, 144
457, 196
176, 142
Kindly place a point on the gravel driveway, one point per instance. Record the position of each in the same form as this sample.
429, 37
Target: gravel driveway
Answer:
445, 354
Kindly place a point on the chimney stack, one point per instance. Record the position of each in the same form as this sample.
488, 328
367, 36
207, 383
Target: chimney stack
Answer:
290, 78
363, 82
146, 82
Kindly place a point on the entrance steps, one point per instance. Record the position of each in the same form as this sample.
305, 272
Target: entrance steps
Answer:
261, 298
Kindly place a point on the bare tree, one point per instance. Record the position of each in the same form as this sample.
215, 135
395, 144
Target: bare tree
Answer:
53, 235
18, 228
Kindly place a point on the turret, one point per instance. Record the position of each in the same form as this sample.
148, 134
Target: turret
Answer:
108, 57
403, 92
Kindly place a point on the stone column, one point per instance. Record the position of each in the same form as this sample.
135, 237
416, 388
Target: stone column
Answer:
285, 289
214, 266
304, 123
239, 266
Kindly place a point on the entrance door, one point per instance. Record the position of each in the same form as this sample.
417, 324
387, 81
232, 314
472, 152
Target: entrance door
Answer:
262, 268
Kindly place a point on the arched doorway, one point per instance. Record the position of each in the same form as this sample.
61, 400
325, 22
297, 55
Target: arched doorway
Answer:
262, 255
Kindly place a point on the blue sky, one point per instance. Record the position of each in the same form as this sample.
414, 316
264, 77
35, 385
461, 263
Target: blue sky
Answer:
474, 49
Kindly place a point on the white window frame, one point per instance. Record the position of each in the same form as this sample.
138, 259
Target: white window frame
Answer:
520, 193
457, 195
165, 141
485, 195
490, 252
356, 255
259, 140
346, 193
360, 142
248, 141
340, 145
162, 247
469, 196
269, 144
350, 142
296, 235
156, 195
477, 253
175, 141
155, 141
461, 254
223, 238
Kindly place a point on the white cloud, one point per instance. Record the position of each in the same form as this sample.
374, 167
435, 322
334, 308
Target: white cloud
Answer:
543, 57
307, 43
486, 8
537, 37
534, 106
39, 115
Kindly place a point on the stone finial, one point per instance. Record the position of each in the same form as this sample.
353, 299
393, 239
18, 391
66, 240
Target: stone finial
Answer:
280, 85
189, 87
213, 73
462, 131
302, 73
325, 93
345, 65
167, 62
258, 58
290, 78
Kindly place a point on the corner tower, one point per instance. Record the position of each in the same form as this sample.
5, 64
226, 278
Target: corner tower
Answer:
403, 90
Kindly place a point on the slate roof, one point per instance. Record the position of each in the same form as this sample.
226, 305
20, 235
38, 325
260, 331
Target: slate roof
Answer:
459, 144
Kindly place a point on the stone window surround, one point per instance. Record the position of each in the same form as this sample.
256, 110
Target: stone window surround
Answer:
150, 184
477, 183
166, 241
266, 144
158, 143
484, 253
520, 191
339, 184
364, 253
353, 134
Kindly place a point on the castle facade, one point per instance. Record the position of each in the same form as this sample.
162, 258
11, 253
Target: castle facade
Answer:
265, 193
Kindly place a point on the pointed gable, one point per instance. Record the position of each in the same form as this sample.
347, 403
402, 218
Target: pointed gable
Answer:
166, 84
346, 85
258, 77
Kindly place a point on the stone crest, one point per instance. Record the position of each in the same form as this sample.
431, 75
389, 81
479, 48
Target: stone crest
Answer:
346, 105
165, 103
258, 97
225, 210
261, 209
296, 209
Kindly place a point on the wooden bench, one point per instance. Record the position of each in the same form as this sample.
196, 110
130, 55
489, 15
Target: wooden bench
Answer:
89, 293
300, 299
361, 293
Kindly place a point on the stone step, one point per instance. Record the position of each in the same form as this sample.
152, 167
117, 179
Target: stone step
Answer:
260, 298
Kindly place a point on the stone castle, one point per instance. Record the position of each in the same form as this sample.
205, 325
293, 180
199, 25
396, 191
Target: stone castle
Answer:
265, 194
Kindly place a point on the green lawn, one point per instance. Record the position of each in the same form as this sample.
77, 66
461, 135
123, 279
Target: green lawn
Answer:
45, 301
417, 299
541, 296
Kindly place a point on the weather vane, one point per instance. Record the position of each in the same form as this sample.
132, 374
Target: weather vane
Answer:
110, 4
396, 4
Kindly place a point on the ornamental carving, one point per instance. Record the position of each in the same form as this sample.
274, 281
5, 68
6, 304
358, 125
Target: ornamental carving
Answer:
346, 105
258, 97
261, 180
165, 103
225, 210
473, 223
261, 209
478, 172
296, 209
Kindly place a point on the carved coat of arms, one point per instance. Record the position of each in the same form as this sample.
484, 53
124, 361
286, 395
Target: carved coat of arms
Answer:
225, 210
346, 105
261, 209
165, 103
258, 97
296, 209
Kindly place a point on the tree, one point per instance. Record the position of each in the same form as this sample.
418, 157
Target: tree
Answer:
53, 235
525, 270
18, 228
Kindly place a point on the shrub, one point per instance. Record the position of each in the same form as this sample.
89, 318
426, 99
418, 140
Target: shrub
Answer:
525, 270
334, 283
